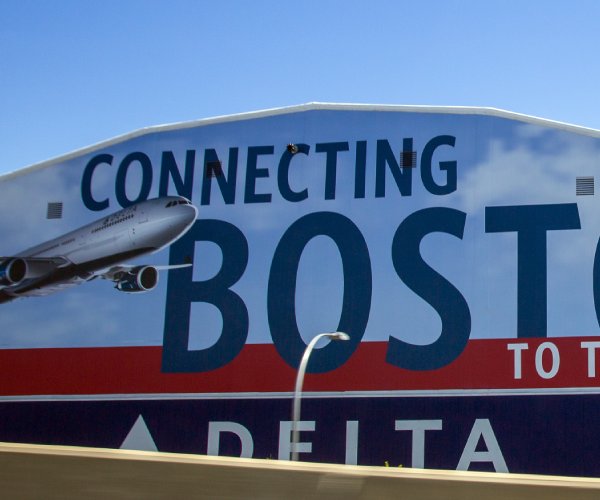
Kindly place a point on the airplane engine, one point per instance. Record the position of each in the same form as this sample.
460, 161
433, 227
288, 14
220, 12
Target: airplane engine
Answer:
138, 279
13, 271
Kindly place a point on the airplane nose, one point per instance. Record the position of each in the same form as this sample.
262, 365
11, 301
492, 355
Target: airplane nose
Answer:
166, 225
186, 215
193, 212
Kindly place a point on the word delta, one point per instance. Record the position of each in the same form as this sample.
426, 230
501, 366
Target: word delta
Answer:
531, 224
472, 452
261, 164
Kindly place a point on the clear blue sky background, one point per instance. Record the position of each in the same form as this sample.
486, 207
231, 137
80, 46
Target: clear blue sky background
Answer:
77, 72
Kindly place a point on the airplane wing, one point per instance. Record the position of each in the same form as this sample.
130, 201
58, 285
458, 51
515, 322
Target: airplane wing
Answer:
117, 272
36, 277
33, 276
139, 278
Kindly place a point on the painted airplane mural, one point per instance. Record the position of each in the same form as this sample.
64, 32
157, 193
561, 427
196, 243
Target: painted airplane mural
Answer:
99, 249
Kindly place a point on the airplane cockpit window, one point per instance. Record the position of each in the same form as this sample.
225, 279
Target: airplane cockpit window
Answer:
178, 202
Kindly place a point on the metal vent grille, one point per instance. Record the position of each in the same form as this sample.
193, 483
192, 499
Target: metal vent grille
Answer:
55, 210
213, 169
409, 159
584, 186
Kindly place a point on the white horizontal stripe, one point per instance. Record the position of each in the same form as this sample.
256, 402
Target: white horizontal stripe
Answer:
446, 393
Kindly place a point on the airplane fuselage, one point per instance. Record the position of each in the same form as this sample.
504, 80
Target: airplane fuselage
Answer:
142, 228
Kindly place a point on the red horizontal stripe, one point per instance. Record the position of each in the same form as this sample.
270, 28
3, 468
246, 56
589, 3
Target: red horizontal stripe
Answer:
484, 364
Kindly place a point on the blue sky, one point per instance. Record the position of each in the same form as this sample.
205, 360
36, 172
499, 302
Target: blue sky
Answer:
77, 72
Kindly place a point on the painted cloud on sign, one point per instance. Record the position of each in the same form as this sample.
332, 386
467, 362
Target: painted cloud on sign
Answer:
24, 202
541, 169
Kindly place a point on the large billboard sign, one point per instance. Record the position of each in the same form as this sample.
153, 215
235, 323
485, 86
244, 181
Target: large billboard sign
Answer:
457, 247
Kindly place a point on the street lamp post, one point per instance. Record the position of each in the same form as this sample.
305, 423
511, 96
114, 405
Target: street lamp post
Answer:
300, 380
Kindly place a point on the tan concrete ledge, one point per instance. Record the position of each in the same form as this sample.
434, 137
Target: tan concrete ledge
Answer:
49, 472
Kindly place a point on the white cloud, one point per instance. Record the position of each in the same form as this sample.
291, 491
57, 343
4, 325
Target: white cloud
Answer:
542, 169
23, 204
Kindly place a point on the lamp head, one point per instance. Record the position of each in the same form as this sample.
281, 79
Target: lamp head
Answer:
339, 336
